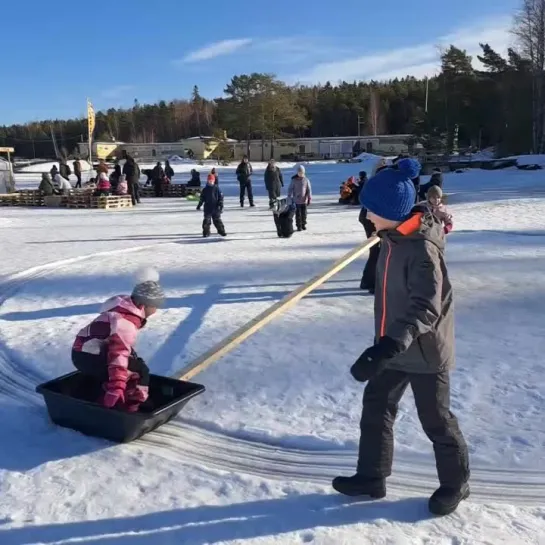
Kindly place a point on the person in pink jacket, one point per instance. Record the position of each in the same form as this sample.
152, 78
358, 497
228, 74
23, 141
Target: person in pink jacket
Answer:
122, 186
103, 185
104, 349
434, 196
300, 191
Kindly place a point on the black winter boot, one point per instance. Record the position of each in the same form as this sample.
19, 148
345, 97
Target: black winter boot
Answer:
357, 485
446, 499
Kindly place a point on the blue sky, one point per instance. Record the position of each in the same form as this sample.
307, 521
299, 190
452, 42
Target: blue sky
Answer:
55, 54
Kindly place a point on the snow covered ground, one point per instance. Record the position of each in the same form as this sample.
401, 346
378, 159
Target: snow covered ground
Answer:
250, 460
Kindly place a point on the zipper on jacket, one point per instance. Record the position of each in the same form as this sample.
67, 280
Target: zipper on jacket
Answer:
384, 286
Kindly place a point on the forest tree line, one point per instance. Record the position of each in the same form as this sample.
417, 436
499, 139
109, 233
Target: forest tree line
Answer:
502, 105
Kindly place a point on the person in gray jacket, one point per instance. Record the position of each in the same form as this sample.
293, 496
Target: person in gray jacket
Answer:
414, 343
300, 191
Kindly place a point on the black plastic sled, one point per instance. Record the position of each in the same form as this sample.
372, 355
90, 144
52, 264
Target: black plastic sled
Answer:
70, 403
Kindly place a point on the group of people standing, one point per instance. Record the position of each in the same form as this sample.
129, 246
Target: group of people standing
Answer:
299, 194
299, 190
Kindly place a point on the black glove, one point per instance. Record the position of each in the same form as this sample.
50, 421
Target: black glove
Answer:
198, 207
374, 359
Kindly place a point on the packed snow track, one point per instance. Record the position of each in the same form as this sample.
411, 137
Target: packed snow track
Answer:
185, 442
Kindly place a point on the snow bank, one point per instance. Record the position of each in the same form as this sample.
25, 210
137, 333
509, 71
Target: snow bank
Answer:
46, 167
529, 159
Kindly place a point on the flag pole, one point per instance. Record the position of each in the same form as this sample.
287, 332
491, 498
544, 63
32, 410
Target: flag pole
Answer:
427, 92
90, 127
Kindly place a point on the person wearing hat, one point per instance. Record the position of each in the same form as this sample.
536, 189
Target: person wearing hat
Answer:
104, 349
435, 180
414, 343
274, 182
434, 197
244, 176
212, 200
300, 191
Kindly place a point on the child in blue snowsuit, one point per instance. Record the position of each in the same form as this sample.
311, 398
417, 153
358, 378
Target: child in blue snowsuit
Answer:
212, 199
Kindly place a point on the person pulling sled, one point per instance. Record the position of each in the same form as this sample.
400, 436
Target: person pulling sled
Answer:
212, 200
414, 343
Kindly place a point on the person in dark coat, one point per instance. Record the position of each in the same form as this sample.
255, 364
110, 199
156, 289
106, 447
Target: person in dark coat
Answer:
169, 171
368, 276
212, 200
435, 180
274, 182
54, 171
77, 172
131, 170
46, 187
64, 170
157, 179
244, 176
195, 180
148, 173
414, 343
114, 177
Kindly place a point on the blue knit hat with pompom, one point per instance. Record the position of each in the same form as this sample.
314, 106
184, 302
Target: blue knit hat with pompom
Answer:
391, 194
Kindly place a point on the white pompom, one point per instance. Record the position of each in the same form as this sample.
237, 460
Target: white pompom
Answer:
147, 274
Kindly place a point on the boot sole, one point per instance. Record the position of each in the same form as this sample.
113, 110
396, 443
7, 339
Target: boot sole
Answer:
444, 510
356, 494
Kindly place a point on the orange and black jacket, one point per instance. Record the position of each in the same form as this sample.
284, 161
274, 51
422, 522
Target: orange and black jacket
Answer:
413, 294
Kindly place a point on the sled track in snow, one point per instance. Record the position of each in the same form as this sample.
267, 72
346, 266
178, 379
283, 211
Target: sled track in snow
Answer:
188, 443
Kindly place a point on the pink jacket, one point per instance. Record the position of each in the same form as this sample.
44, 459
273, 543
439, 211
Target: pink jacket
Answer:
122, 188
441, 213
104, 185
113, 334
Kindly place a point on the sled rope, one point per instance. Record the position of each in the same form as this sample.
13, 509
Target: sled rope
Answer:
240, 335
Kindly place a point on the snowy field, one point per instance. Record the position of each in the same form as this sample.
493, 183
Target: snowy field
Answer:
250, 460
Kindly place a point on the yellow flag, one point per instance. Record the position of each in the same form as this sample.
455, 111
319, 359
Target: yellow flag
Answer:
90, 118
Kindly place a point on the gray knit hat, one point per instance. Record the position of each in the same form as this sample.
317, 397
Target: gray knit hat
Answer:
434, 191
147, 291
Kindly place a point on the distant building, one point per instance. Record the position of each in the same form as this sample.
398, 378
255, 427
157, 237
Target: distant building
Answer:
108, 151
197, 147
341, 147
159, 151
203, 147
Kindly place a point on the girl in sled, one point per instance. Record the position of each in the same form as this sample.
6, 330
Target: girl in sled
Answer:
104, 349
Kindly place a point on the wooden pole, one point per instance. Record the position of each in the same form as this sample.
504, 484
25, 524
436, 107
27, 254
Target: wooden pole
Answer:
248, 329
